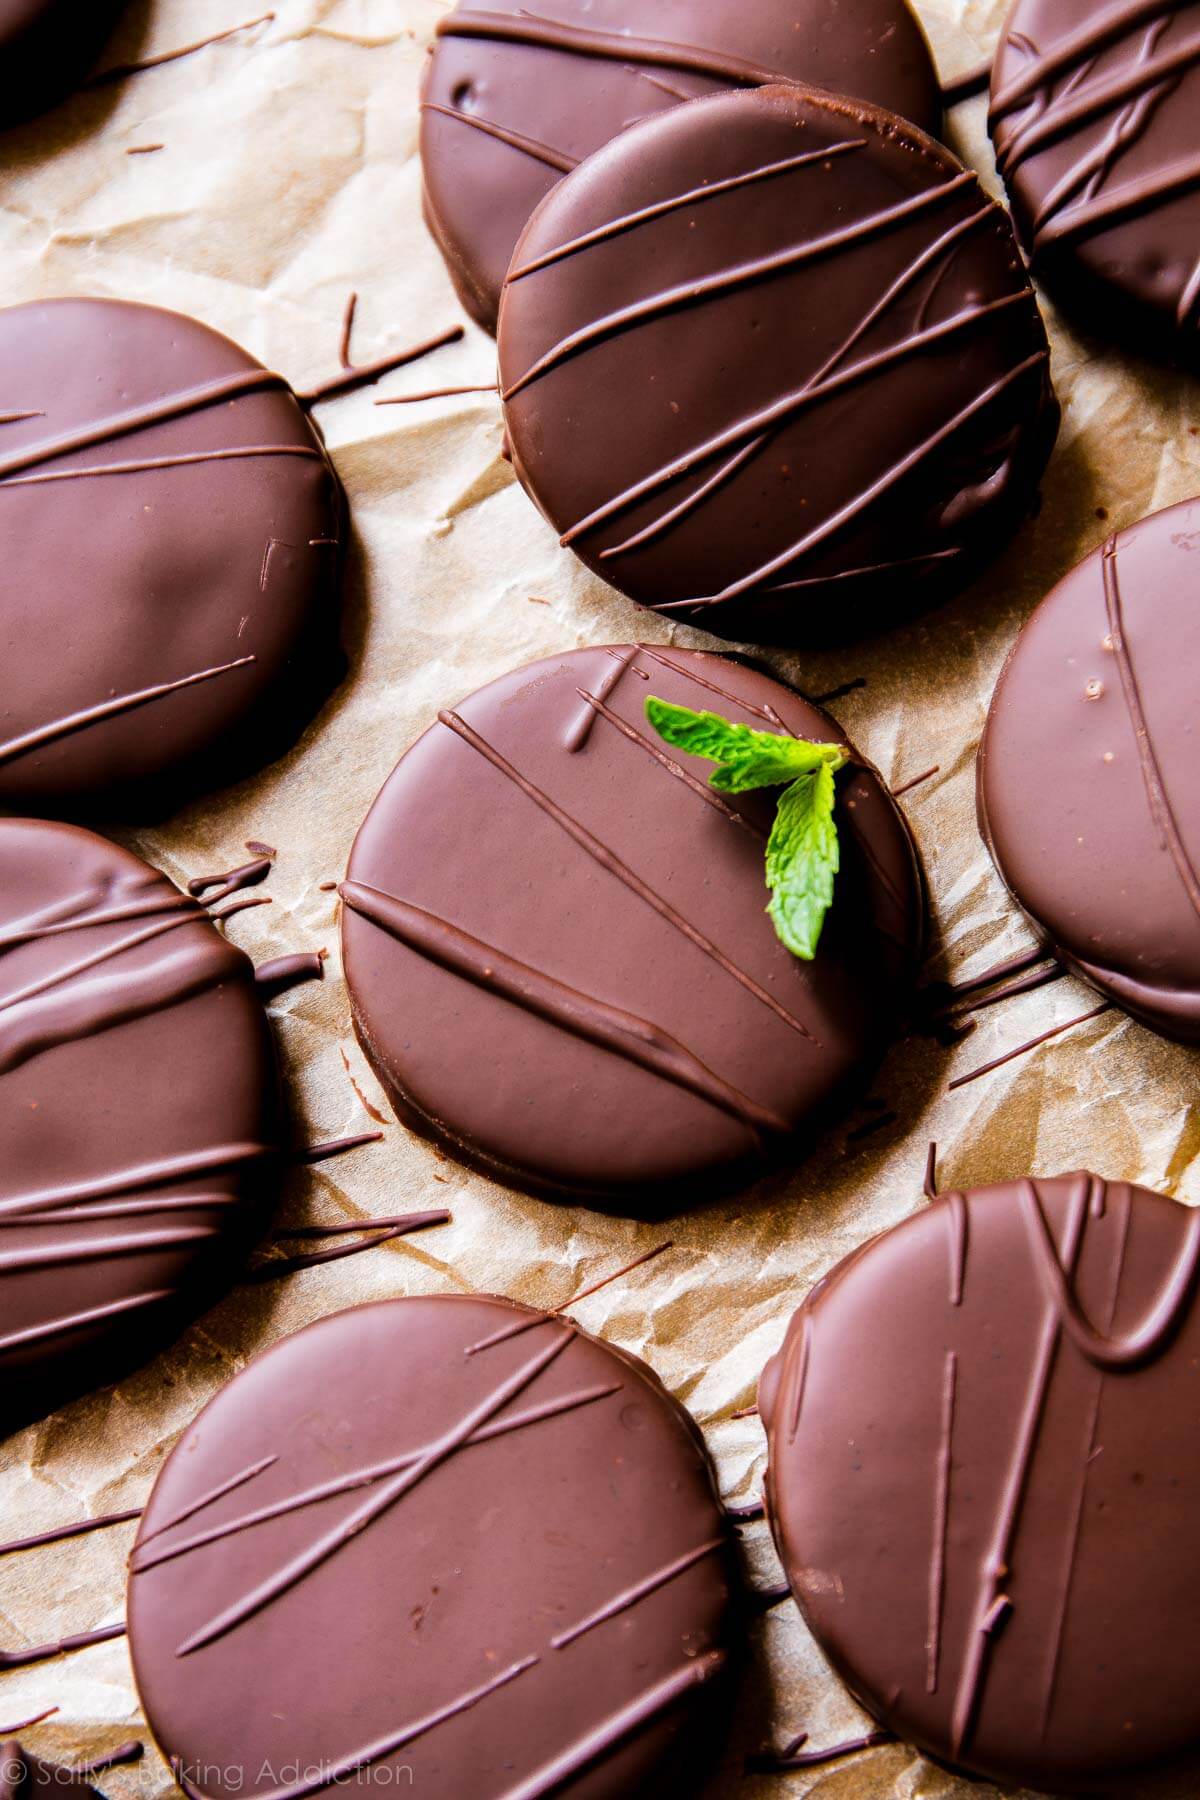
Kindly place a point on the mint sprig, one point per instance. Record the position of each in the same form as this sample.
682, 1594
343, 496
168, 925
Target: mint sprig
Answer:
802, 850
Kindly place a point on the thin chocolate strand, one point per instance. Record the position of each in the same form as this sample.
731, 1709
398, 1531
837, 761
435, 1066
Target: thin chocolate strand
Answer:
611, 46
82, 1640
516, 140
767, 1763
292, 1265
282, 973
317, 1153
1021, 1049
131, 1751
119, 71
107, 709
351, 379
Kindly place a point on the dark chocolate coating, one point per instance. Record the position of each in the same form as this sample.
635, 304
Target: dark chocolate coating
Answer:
1088, 782
213, 545
492, 1553
984, 1478
46, 49
24, 1776
807, 400
620, 1022
512, 101
1095, 114
138, 1113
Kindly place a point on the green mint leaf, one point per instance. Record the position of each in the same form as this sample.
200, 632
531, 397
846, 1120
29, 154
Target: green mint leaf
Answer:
802, 850
748, 758
802, 860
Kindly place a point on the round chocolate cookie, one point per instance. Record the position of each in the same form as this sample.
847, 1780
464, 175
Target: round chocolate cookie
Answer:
984, 1478
512, 100
1088, 783
1096, 119
138, 1112
556, 944
770, 364
169, 526
46, 49
446, 1542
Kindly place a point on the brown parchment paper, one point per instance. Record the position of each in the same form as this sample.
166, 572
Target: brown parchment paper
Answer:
288, 176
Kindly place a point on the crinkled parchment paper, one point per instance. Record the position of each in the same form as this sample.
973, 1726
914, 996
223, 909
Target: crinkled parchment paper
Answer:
288, 176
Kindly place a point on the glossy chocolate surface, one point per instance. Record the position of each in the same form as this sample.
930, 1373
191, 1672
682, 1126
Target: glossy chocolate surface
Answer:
170, 528
555, 937
1088, 778
514, 99
447, 1534
771, 365
1095, 113
138, 1113
984, 1478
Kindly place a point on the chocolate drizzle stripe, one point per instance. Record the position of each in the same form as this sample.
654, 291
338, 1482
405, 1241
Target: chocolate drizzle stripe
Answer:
281, 1267
1093, 168
1092, 101
24, 933
605, 1738
282, 973
332, 1541
130, 1752
1161, 810
853, 508
1147, 1339
1101, 30
1060, 1619
92, 1315
956, 1220
89, 1249
1110, 208
347, 381
168, 1172
362, 1478
107, 709
992, 1604
683, 508
792, 1398
766, 712
231, 881
1042, 1037
120, 1209
583, 1015
693, 197
387, 1746
147, 463
816, 387
1189, 297
59, 1533
98, 1005
639, 1591
579, 733
138, 418
119, 71
207, 1498
609, 860
701, 789
106, 953
550, 34
941, 1522
879, 568
82, 1640
724, 280
516, 140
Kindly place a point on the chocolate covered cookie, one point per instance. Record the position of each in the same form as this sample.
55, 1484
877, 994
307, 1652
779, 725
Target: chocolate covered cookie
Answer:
46, 48
170, 528
984, 1478
1095, 113
555, 938
515, 98
1088, 782
448, 1541
771, 365
138, 1113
